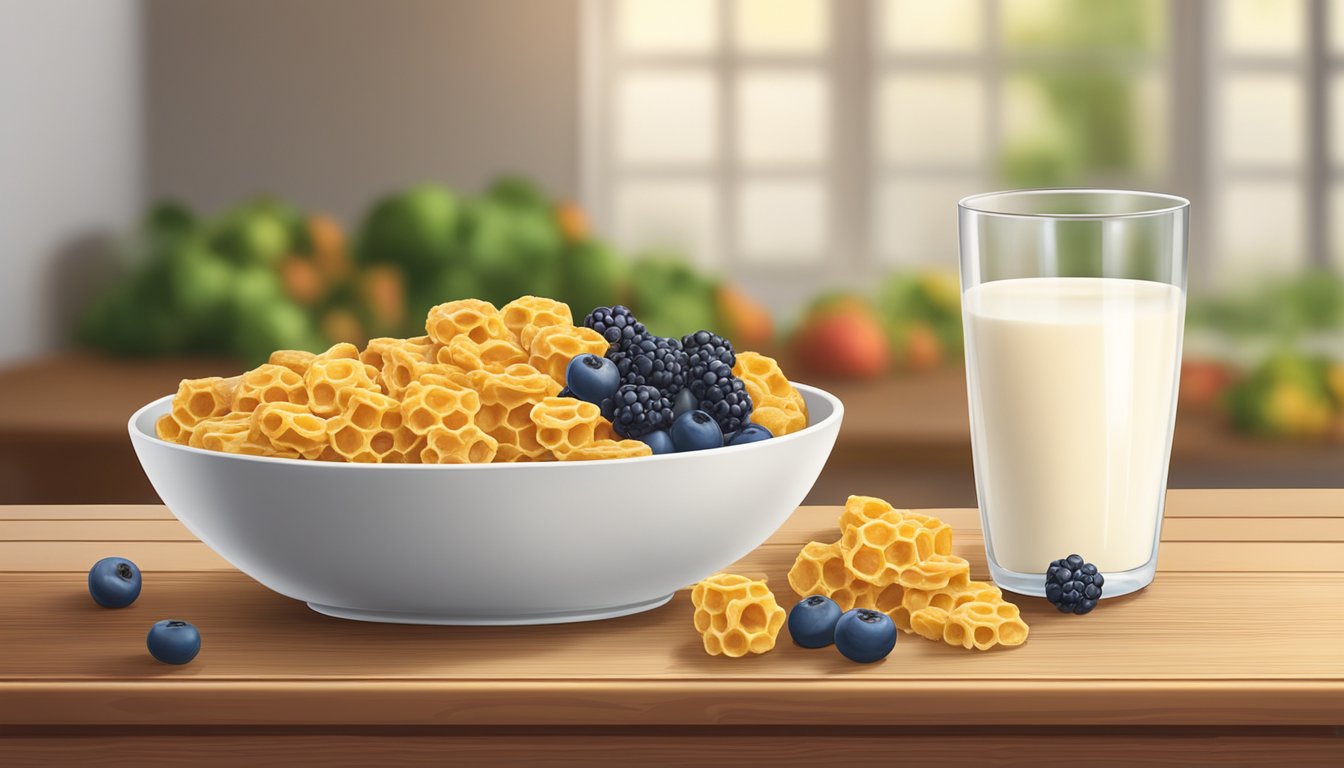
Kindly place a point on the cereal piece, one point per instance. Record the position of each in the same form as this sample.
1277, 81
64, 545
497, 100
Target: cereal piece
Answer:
366, 429
167, 428
564, 423
288, 428
199, 399
427, 407
473, 318
953, 595
331, 380
269, 383
929, 623
494, 355
295, 360
777, 405
221, 433
376, 351
601, 450
533, 313
862, 509
983, 624
506, 409
820, 569
936, 572
736, 615
880, 551
464, 445
554, 346
341, 351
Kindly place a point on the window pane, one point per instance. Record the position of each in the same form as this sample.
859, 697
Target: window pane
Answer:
666, 117
915, 219
1262, 26
1084, 127
1260, 228
1127, 25
909, 26
782, 221
1261, 119
931, 119
676, 215
667, 26
1335, 10
782, 118
1337, 227
782, 26
1336, 137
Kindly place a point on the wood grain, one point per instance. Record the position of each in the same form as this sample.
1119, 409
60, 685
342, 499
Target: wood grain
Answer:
1256, 642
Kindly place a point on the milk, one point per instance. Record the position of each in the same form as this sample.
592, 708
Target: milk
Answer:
1072, 390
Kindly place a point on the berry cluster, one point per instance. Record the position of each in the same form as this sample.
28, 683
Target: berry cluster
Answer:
674, 394
1073, 585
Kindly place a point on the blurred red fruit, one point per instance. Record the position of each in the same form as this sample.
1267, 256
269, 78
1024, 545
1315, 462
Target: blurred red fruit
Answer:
843, 337
923, 352
1203, 383
747, 322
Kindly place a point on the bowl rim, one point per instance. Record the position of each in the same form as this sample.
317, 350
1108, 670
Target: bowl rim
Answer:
837, 413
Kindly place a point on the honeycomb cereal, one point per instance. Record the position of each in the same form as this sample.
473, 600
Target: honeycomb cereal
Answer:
340, 351
533, 313
820, 569
936, 572
464, 445
428, 406
555, 345
982, 625
564, 423
331, 380
477, 320
199, 399
600, 450
777, 405
376, 351
880, 551
863, 509
295, 360
736, 615
506, 409
494, 355
366, 429
269, 383
221, 433
288, 428
956, 593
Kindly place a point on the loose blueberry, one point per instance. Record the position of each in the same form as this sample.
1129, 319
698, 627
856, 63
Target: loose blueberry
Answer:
114, 582
1073, 585
683, 402
751, 433
696, 431
865, 636
812, 621
592, 378
659, 442
173, 642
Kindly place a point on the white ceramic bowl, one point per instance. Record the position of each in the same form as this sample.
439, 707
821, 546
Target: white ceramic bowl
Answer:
487, 543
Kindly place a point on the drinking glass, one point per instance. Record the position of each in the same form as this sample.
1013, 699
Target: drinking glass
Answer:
1073, 302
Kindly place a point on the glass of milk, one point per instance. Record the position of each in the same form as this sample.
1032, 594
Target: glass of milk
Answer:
1073, 303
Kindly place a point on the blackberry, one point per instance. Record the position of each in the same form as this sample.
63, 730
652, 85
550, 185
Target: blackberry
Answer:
652, 361
636, 410
616, 324
703, 346
722, 395
1073, 585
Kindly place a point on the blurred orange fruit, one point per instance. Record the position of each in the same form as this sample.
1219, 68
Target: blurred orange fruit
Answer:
572, 221
746, 320
301, 279
329, 252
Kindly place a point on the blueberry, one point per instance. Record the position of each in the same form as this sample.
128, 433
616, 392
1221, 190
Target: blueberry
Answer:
751, 433
683, 402
592, 378
114, 582
660, 442
173, 642
865, 636
696, 431
564, 392
812, 621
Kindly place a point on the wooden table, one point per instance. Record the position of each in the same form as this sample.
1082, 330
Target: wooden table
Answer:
1235, 654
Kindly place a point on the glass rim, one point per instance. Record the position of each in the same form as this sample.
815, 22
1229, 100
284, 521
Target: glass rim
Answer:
1169, 203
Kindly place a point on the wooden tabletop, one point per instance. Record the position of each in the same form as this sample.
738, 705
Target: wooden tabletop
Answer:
1242, 626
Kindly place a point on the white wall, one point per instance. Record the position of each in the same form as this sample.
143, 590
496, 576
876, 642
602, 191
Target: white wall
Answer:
70, 154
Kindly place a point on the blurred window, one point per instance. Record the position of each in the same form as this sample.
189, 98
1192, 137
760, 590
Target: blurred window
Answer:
835, 137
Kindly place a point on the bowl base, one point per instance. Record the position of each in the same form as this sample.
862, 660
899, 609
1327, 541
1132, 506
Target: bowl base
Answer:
468, 620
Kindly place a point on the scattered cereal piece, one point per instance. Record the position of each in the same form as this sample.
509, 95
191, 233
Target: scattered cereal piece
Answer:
736, 615
983, 625
477, 320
